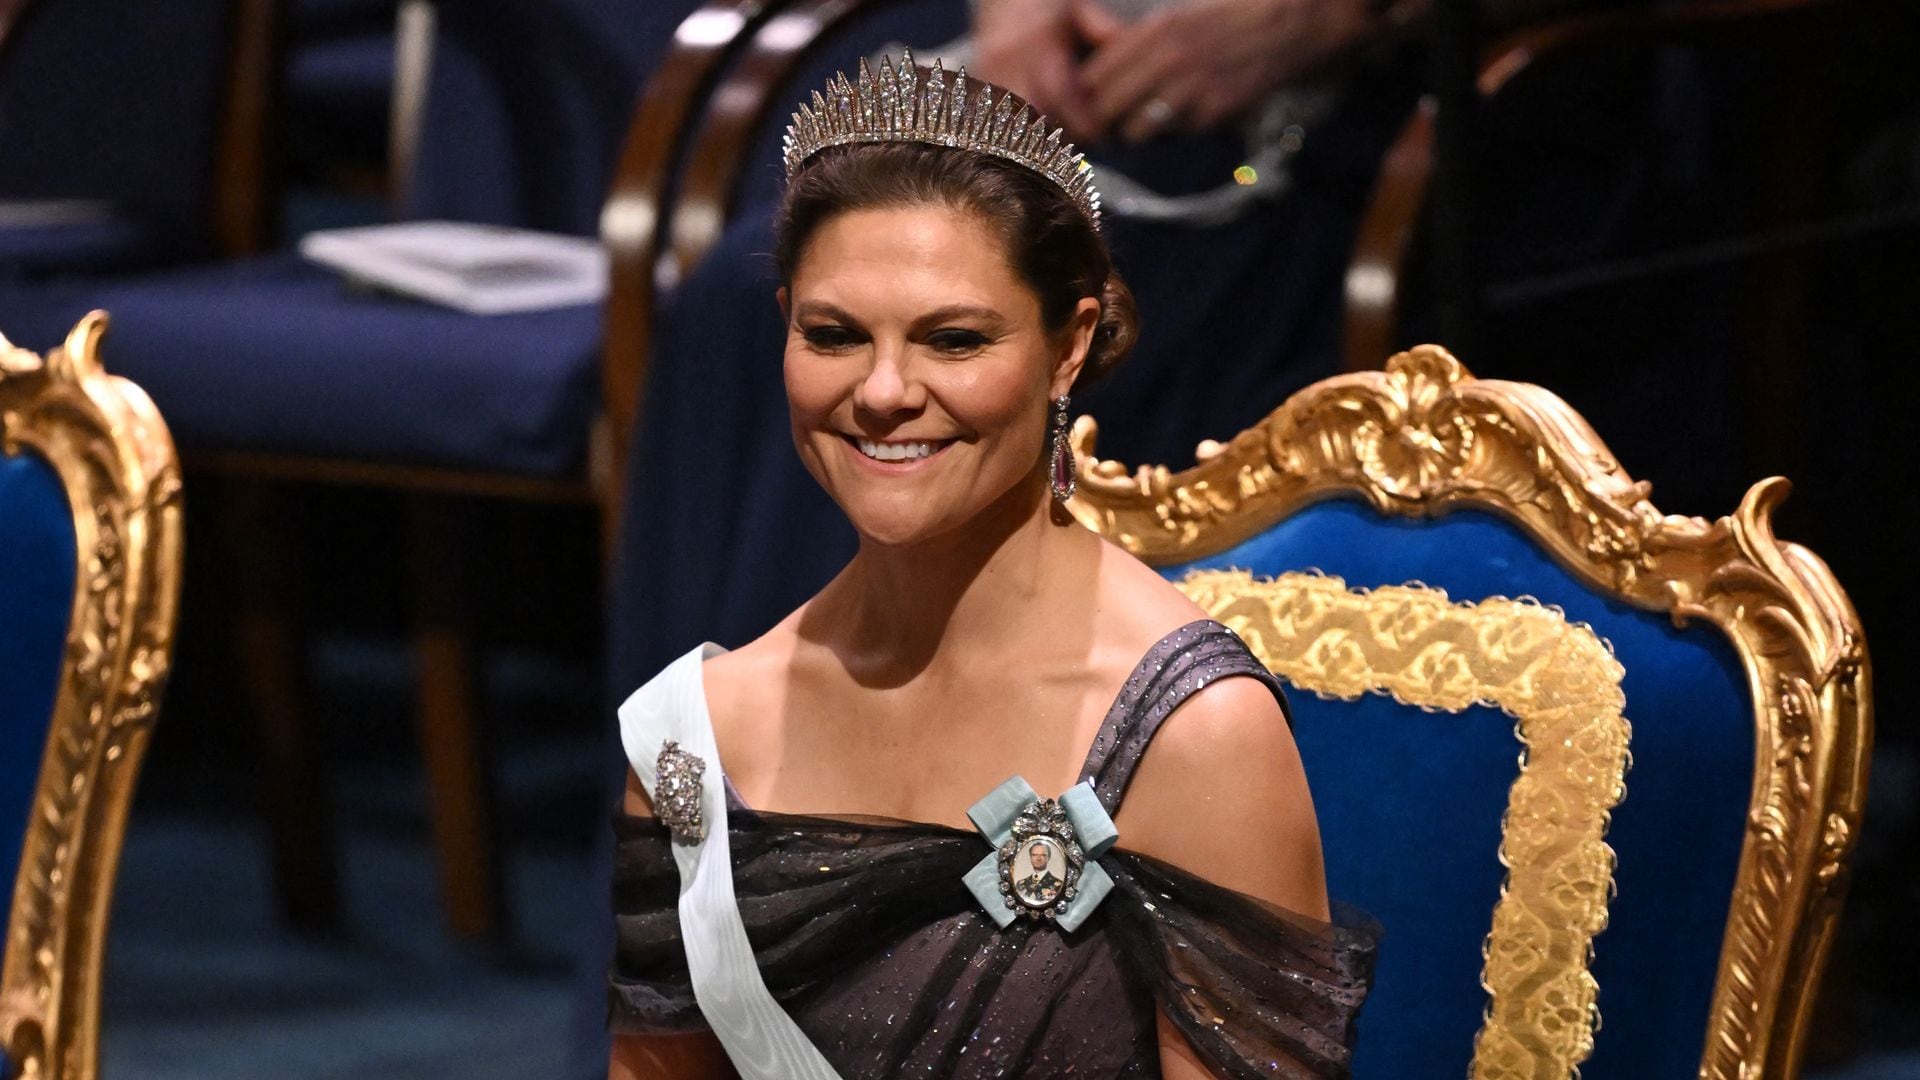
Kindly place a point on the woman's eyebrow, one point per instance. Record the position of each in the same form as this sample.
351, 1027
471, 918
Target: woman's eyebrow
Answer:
822, 309
959, 311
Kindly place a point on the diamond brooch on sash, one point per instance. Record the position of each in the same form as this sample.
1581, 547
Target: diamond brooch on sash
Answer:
676, 793
1040, 863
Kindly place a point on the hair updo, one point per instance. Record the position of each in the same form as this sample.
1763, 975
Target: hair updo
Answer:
1049, 242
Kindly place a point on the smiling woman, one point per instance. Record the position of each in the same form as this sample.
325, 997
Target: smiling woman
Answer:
900, 898
919, 368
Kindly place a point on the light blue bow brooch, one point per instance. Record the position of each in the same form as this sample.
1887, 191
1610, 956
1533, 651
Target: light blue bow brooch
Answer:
1043, 864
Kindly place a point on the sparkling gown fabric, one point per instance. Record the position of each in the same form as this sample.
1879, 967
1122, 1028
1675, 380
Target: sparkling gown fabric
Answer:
864, 931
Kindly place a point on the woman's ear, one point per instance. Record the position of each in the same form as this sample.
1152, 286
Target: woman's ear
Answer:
781, 295
1076, 342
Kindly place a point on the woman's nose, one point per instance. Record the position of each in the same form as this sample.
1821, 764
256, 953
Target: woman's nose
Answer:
890, 386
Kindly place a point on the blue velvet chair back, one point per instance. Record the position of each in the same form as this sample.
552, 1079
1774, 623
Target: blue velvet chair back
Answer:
527, 103
1422, 474
36, 598
1411, 802
106, 100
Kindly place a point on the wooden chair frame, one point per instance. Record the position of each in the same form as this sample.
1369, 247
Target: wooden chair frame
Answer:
245, 185
1379, 267
267, 627
1422, 438
116, 461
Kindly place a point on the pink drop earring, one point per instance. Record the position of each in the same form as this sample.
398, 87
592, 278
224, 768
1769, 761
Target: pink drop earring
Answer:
1061, 471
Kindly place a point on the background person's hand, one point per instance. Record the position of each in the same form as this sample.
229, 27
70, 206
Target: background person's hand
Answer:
1032, 48
1196, 65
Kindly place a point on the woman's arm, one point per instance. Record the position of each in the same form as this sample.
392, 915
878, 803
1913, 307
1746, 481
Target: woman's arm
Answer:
1221, 794
693, 1056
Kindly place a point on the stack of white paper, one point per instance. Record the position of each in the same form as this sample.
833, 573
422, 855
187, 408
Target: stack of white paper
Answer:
480, 269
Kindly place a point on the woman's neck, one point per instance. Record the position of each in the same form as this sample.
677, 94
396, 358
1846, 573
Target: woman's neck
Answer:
894, 605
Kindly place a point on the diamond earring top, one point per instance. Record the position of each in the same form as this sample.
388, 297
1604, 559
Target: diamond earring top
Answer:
907, 104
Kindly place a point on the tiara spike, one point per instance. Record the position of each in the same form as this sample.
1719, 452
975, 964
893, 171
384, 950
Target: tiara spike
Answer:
955, 129
1001, 113
889, 97
1018, 132
933, 116
907, 85
869, 95
842, 107
901, 102
1031, 139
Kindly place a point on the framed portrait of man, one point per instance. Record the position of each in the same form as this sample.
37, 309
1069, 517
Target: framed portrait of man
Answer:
1039, 871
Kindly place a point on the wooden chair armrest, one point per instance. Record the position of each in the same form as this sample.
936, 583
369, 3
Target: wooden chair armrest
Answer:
735, 114
1376, 271
632, 219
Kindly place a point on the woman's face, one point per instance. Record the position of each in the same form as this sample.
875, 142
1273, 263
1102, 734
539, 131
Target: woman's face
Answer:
918, 371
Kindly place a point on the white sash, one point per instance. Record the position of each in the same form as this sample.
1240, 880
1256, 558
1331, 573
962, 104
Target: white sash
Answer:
758, 1035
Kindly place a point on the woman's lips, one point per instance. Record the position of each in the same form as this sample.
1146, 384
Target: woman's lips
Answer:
896, 455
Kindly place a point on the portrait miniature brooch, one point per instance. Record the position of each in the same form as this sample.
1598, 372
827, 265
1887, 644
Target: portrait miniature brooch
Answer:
677, 791
1042, 866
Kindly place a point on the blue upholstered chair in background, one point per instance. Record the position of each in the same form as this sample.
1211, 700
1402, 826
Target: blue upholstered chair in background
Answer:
90, 528
130, 135
1745, 682
270, 369
338, 91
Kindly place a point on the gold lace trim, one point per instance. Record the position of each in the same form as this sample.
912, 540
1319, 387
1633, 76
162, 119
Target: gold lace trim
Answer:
1561, 684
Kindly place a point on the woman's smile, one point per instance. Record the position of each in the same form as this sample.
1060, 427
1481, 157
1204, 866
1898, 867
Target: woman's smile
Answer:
896, 455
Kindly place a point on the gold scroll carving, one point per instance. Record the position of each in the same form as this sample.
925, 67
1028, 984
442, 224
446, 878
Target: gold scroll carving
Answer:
114, 457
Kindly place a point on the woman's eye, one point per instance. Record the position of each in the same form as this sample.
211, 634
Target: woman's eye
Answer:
830, 338
957, 341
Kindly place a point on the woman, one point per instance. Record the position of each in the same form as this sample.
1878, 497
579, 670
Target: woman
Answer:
892, 903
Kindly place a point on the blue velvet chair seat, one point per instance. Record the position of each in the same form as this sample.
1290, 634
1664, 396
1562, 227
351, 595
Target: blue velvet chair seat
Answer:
1411, 823
273, 354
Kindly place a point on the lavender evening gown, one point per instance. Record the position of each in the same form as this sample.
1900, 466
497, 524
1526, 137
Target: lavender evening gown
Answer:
863, 930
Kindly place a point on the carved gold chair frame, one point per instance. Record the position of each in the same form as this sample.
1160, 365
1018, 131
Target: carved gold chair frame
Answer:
1423, 437
114, 457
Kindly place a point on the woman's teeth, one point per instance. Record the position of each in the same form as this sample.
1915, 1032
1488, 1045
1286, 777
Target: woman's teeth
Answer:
896, 451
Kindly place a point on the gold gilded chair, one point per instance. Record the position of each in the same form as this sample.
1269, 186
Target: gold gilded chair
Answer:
1427, 497
91, 534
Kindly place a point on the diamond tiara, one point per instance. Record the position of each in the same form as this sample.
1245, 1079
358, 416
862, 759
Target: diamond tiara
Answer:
905, 104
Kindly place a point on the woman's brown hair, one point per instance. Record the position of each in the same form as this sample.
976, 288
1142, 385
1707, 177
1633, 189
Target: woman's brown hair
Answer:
1049, 242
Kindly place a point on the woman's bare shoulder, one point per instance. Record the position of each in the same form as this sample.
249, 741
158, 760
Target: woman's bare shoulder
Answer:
740, 679
1224, 759
1137, 602
747, 691
741, 688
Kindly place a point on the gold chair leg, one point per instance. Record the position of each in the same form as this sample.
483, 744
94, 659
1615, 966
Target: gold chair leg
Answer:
458, 780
